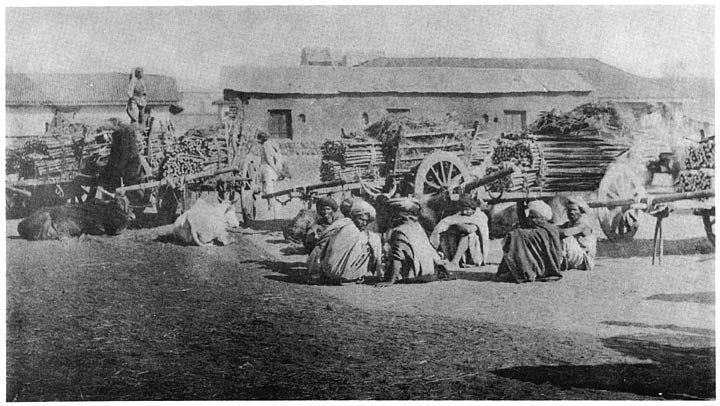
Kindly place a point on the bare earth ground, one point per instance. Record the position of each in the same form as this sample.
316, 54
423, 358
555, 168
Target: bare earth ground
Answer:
137, 317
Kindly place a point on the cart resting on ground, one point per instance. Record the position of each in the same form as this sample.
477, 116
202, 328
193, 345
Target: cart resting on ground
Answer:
438, 166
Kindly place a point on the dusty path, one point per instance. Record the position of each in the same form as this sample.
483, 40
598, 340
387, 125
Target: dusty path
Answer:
137, 317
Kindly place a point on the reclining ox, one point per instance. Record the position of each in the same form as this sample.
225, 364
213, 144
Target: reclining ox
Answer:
94, 217
205, 224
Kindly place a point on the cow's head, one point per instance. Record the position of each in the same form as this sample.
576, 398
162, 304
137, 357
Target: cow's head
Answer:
228, 209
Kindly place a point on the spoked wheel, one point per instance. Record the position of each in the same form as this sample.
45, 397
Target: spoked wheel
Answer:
620, 182
439, 173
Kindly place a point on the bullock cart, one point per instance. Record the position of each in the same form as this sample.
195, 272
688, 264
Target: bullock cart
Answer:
439, 166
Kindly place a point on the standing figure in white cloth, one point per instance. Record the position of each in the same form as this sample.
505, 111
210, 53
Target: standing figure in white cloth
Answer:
137, 97
270, 164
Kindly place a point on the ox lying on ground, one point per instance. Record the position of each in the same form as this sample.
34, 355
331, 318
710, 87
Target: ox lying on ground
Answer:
297, 229
205, 224
93, 217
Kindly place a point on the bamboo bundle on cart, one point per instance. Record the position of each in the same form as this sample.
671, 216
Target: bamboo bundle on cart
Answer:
351, 160
576, 162
695, 180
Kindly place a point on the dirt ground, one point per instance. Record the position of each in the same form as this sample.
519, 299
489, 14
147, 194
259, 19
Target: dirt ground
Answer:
137, 317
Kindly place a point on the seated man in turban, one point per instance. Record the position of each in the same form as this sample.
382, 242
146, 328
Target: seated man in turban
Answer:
533, 252
327, 213
579, 241
346, 250
463, 237
410, 256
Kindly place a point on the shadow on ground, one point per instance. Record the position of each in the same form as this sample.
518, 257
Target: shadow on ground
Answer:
673, 327
644, 248
696, 297
267, 225
676, 371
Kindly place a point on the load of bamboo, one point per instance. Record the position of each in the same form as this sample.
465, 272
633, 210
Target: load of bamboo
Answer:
192, 155
576, 163
587, 119
700, 164
351, 161
44, 157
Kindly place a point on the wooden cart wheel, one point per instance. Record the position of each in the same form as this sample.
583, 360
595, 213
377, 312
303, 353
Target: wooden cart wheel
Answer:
620, 182
709, 223
438, 173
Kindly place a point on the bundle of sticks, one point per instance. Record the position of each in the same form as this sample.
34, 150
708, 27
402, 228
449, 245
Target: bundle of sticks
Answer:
43, 157
695, 180
702, 156
351, 160
575, 163
587, 119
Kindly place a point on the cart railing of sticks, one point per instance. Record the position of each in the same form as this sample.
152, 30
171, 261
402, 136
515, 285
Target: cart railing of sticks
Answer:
441, 165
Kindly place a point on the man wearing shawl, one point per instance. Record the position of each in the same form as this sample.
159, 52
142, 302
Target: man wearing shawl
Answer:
326, 209
463, 237
579, 241
347, 250
270, 164
411, 257
533, 252
137, 97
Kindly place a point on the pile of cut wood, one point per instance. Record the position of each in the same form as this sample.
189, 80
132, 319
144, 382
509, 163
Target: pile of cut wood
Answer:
199, 150
700, 164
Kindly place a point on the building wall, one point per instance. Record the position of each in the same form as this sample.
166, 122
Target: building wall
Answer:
199, 111
326, 115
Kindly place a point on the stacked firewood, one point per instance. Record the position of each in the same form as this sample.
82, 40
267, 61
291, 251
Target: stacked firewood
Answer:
351, 161
702, 156
700, 164
695, 180
193, 155
44, 157
521, 153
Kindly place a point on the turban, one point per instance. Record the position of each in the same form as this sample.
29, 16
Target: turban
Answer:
407, 205
326, 202
467, 203
540, 209
360, 207
262, 135
578, 202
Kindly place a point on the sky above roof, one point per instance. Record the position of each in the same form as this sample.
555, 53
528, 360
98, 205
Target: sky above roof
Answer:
193, 43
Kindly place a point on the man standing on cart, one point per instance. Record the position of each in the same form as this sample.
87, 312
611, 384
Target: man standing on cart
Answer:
137, 93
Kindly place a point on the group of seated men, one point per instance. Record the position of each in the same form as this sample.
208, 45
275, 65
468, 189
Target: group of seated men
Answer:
346, 246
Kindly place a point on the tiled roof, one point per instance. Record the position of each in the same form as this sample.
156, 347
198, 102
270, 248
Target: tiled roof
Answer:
336, 80
64, 89
608, 81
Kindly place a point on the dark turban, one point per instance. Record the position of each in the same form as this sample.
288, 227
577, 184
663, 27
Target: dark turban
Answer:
327, 202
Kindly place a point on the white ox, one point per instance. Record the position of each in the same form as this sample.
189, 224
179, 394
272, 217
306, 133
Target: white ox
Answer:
206, 224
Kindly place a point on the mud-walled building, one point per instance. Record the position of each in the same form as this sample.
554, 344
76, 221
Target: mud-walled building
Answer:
311, 103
